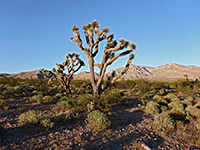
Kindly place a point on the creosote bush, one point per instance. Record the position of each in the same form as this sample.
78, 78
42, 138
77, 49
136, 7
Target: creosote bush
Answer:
163, 121
193, 111
35, 117
97, 120
67, 116
3, 105
177, 107
47, 99
31, 117
36, 99
152, 107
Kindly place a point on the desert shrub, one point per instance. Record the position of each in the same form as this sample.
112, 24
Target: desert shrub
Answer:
63, 106
63, 98
34, 92
67, 116
46, 123
144, 99
163, 108
36, 99
112, 96
31, 117
177, 107
170, 96
152, 107
3, 105
47, 99
2, 130
193, 111
163, 121
163, 91
97, 120
35, 117
142, 86
175, 99
26, 99
188, 101
197, 125
58, 95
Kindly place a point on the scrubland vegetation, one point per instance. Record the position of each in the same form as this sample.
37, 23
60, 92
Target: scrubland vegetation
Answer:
173, 108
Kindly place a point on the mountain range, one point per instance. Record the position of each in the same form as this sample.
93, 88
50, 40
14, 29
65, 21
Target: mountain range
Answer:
163, 72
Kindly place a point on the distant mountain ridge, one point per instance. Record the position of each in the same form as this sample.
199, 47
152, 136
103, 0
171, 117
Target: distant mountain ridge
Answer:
163, 72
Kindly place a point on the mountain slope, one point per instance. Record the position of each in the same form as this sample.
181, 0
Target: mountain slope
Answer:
164, 72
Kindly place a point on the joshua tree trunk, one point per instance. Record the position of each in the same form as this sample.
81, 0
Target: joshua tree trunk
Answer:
108, 56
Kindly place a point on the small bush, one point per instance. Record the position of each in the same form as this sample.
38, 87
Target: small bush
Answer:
36, 99
144, 99
47, 99
193, 111
63, 98
176, 107
58, 95
63, 106
34, 92
31, 117
97, 120
163, 108
47, 123
3, 105
188, 101
67, 116
26, 99
152, 108
163, 121
170, 96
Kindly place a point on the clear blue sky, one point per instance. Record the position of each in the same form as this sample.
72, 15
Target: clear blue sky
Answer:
36, 34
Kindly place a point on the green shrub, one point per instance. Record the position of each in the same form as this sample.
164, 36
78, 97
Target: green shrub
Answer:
175, 99
26, 99
63, 98
198, 125
144, 99
3, 105
152, 107
34, 92
67, 116
47, 99
31, 117
163, 121
170, 96
58, 95
47, 123
97, 120
176, 107
193, 111
36, 99
188, 101
163, 108
63, 106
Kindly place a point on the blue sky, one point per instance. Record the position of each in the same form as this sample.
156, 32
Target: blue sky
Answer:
36, 34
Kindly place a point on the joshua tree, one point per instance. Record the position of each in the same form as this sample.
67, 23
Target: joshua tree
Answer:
72, 64
121, 49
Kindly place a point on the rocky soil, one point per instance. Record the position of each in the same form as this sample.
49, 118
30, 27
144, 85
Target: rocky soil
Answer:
130, 129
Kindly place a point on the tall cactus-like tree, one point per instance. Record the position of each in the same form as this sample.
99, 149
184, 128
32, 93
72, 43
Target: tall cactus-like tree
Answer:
112, 51
72, 64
